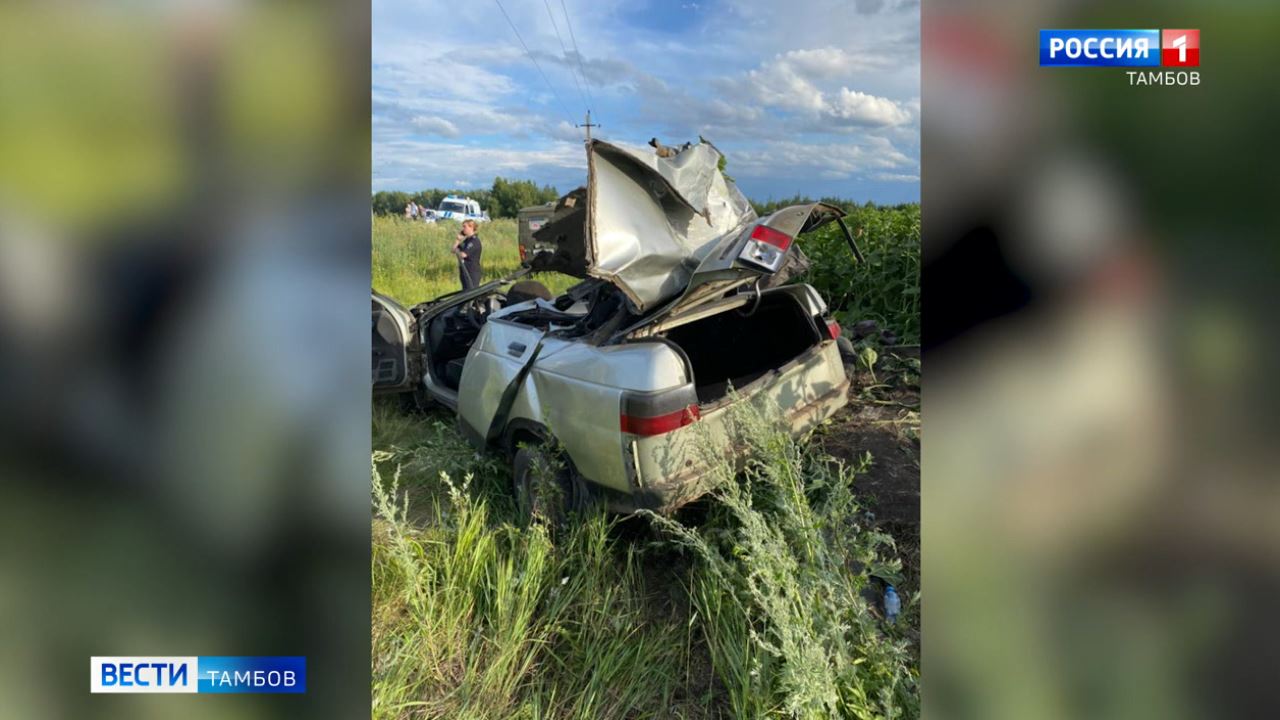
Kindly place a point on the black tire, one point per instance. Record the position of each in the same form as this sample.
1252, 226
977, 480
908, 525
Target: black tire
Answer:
416, 401
541, 480
847, 351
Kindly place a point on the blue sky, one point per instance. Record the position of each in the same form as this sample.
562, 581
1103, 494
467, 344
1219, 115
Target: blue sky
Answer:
817, 97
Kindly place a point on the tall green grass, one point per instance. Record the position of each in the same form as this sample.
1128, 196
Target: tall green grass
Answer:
885, 288
476, 616
413, 262
783, 582
759, 610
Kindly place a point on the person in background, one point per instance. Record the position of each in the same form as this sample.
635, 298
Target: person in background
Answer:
410, 211
467, 248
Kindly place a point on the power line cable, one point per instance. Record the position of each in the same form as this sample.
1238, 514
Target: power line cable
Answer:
534, 60
565, 52
577, 53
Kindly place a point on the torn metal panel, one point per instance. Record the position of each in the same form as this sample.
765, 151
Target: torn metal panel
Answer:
690, 171
721, 271
662, 228
651, 220
722, 263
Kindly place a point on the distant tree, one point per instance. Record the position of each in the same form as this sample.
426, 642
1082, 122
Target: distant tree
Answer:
506, 197
390, 202
428, 198
770, 205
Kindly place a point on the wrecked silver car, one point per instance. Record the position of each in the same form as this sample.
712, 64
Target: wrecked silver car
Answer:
680, 313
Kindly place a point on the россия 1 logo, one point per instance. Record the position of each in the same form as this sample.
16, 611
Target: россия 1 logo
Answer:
1129, 49
1180, 48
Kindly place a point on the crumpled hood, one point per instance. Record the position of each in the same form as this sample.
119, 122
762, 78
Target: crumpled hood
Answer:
647, 222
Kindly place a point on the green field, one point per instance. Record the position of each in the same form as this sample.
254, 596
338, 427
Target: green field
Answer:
751, 604
412, 261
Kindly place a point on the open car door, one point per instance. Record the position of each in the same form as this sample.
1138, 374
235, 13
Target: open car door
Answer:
394, 338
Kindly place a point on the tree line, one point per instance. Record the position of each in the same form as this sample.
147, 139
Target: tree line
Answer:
506, 197
502, 199
850, 206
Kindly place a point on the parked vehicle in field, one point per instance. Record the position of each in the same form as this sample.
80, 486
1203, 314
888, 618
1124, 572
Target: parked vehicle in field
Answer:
623, 379
529, 221
457, 208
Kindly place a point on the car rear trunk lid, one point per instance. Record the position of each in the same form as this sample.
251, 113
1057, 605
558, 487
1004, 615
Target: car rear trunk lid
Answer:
669, 231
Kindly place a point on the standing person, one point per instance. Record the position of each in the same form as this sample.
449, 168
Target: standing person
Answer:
467, 247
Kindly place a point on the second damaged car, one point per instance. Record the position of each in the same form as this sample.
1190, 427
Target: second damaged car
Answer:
621, 381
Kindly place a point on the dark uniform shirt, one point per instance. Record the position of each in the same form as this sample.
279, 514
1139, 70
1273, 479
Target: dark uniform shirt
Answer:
469, 268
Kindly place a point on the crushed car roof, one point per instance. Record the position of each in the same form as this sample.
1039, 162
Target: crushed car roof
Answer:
659, 226
646, 222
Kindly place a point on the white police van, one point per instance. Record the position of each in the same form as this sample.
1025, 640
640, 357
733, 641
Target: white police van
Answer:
457, 208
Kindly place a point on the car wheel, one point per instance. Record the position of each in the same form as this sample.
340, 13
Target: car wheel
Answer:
547, 490
415, 402
847, 351
541, 479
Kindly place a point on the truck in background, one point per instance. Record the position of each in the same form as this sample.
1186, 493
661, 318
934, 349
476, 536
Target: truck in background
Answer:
529, 221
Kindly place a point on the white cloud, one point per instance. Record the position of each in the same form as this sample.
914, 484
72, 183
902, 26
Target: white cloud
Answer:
780, 85
832, 62
863, 109
799, 95
435, 126
407, 163
835, 161
564, 131
802, 82
418, 72
895, 177
458, 156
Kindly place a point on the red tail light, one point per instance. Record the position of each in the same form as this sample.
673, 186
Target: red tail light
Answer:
766, 234
522, 253
654, 413
766, 248
648, 426
833, 329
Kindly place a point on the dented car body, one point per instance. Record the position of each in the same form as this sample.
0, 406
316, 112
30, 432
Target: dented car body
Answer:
682, 311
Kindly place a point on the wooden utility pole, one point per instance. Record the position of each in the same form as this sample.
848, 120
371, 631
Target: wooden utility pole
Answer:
588, 125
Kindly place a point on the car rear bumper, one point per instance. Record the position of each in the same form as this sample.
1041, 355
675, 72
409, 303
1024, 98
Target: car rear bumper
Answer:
672, 469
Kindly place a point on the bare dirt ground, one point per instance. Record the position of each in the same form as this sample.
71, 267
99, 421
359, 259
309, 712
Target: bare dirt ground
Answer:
883, 419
